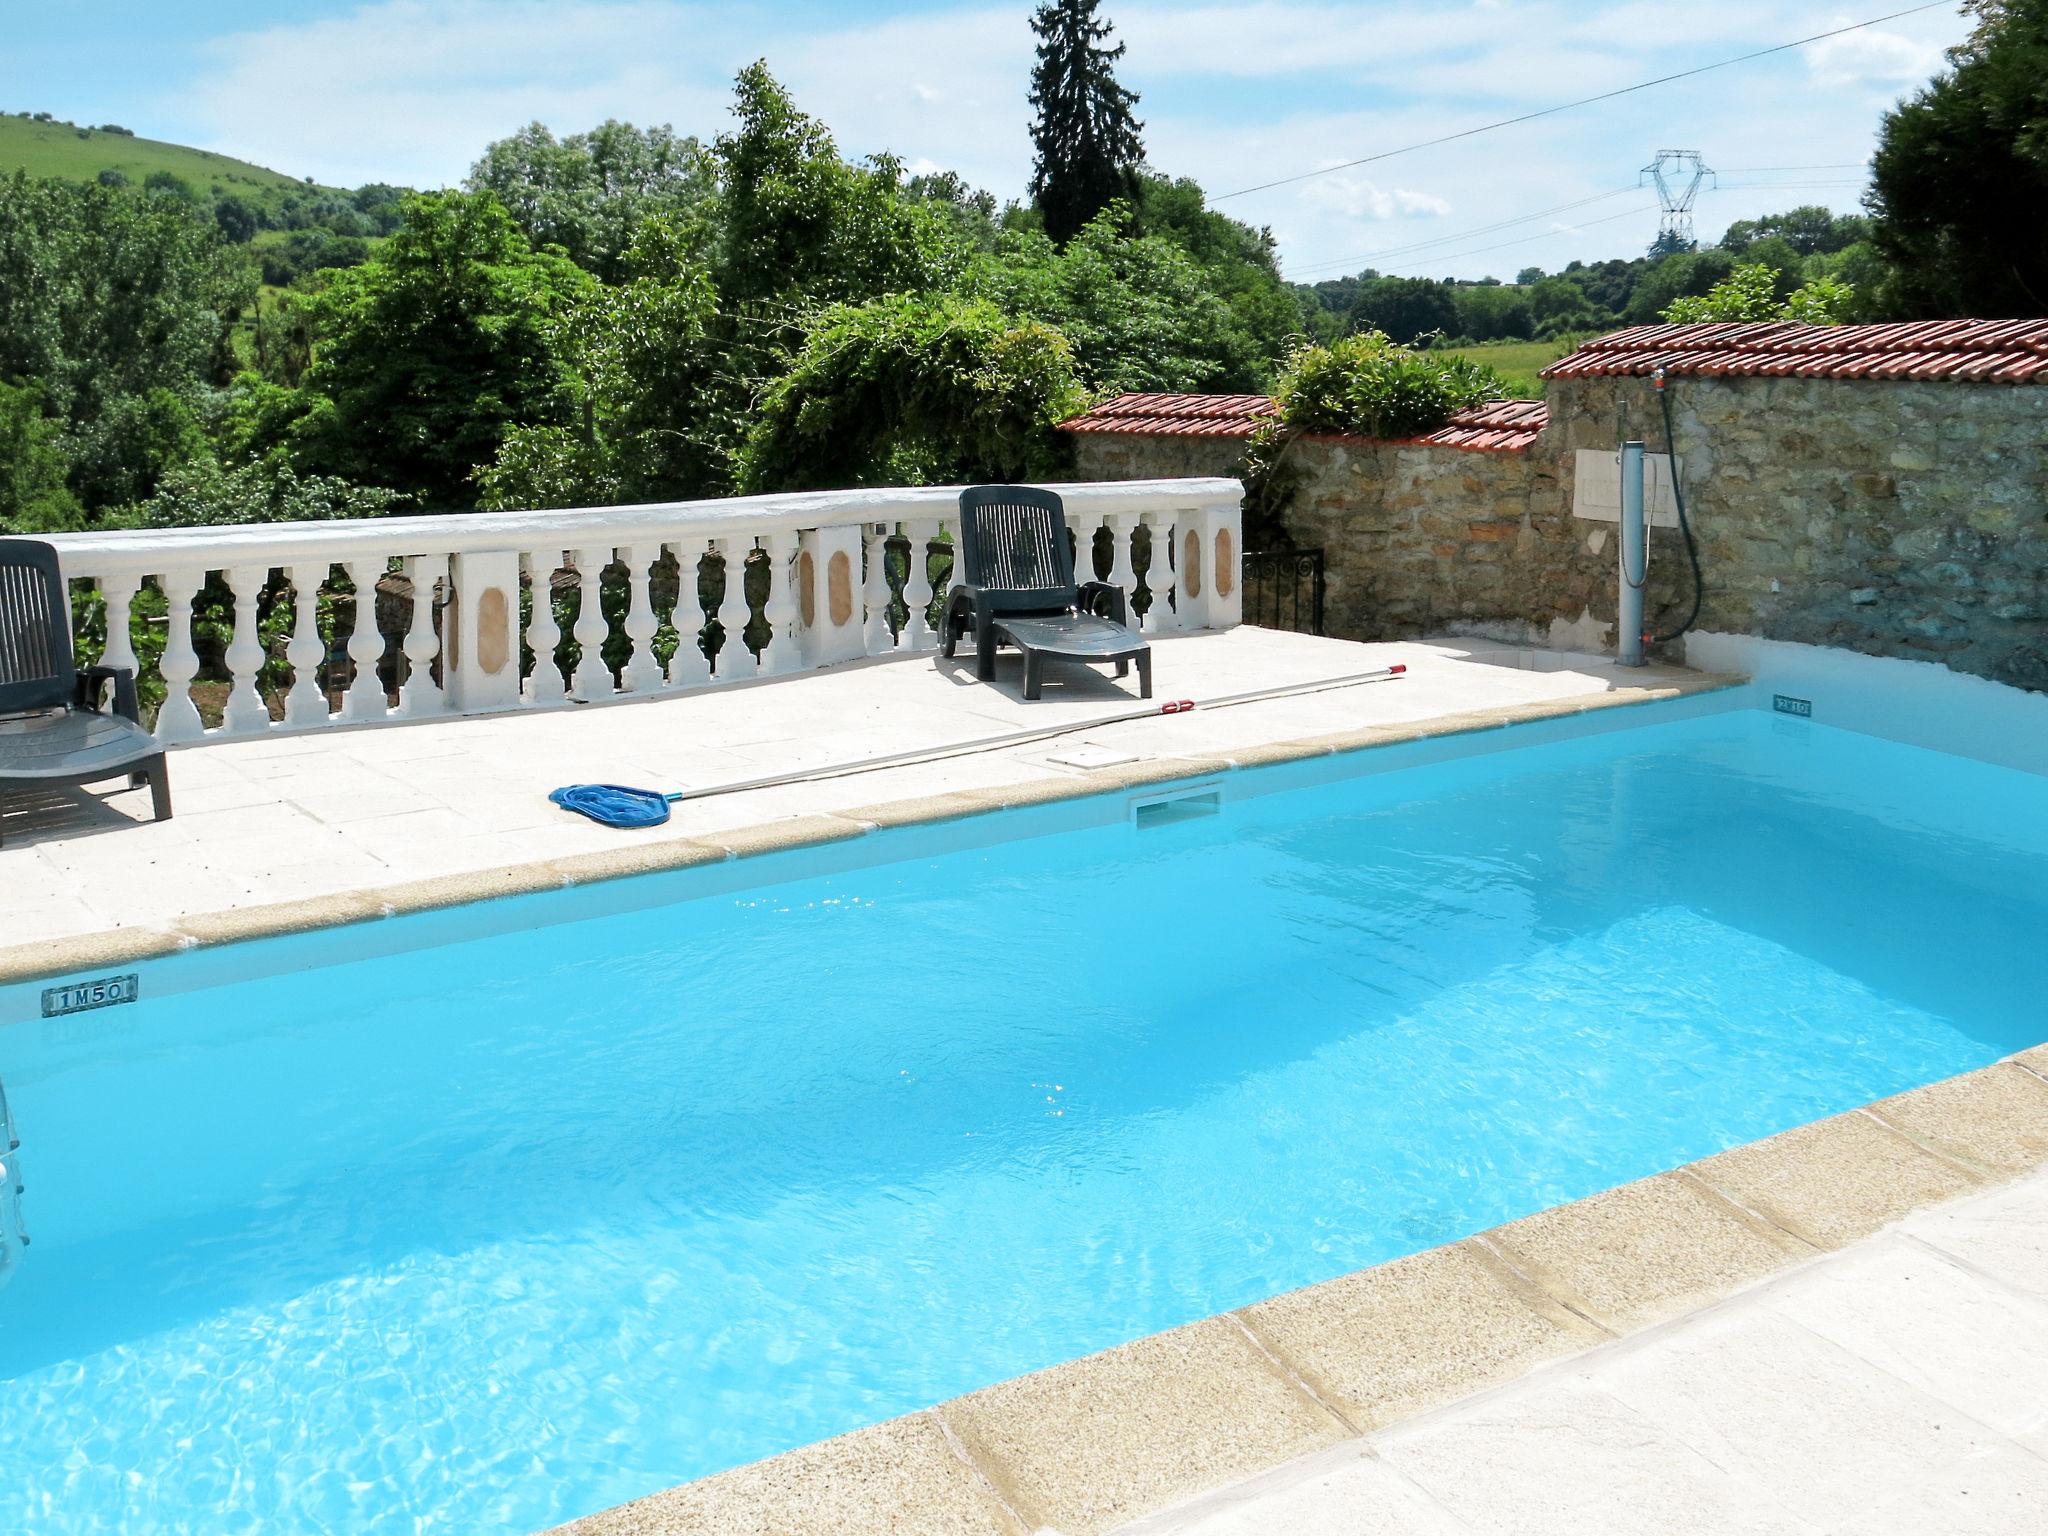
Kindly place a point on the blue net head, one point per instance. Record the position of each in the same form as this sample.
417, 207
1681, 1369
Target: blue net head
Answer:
615, 805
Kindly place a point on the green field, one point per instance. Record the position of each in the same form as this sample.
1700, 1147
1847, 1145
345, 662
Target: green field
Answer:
1518, 362
80, 154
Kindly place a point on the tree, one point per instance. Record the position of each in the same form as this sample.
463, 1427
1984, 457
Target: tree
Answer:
1405, 308
645, 363
429, 353
1086, 140
1139, 311
1959, 183
237, 220
1492, 312
795, 222
590, 192
1752, 292
915, 390
1809, 229
33, 495
1689, 274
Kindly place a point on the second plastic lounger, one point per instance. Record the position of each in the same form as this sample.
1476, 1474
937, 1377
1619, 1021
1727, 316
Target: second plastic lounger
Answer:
1018, 589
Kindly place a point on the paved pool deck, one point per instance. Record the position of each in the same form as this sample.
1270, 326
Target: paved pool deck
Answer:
284, 832
1898, 1387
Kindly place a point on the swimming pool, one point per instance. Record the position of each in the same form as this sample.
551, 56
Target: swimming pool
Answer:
490, 1232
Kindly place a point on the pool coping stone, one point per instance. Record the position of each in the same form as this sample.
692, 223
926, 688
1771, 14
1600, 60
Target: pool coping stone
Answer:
1088, 1446
55, 958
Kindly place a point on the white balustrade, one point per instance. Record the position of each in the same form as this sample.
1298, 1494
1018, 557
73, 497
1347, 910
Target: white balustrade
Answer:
689, 667
917, 587
735, 662
118, 594
881, 638
460, 649
780, 611
592, 679
543, 633
178, 720
1162, 616
418, 694
365, 699
642, 672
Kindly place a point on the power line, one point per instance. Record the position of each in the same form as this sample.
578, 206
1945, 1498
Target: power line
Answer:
1463, 234
1585, 101
1551, 234
1840, 165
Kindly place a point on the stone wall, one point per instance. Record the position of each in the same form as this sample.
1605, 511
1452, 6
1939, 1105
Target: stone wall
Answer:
1891, 518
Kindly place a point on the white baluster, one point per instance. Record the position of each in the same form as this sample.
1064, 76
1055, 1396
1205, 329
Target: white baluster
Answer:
593, 678
245, 712
1121, 575
543, 634
781, 654
1084, 552
306, 704
917, 587
880, 639
688, 668
1162, 616
735, 661
420, 695
178, 720
118, 593
365, 699
642, 671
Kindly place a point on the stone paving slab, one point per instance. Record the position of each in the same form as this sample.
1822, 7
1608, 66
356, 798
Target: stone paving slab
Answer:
1898, 1384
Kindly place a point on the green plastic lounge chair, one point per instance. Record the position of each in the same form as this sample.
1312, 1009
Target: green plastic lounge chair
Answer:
1017, 588
53, 729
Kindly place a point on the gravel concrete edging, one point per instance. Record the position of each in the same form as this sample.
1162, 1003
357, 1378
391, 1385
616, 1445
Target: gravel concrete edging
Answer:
53, 958
1091, 1445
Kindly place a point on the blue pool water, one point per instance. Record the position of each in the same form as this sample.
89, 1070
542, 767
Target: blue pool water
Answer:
484, 1236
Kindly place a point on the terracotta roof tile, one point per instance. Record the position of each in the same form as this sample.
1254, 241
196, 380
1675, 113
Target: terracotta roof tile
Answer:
1501, 427
1175, 415
1979, 351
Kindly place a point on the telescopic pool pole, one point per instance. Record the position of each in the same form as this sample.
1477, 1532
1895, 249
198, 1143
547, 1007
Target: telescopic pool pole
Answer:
1635, 556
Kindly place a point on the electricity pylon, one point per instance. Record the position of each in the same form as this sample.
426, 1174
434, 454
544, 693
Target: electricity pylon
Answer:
1679, 174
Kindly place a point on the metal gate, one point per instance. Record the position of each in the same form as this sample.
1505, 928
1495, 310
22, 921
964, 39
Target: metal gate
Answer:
1283, 589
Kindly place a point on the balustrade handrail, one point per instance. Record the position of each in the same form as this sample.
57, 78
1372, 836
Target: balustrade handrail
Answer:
137, 552
659, 598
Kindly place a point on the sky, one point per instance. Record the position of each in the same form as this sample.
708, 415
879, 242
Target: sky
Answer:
1232, 94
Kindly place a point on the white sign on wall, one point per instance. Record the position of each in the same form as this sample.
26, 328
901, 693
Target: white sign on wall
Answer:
1596, 487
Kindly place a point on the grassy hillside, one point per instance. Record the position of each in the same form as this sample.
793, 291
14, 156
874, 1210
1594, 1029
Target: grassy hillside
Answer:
80, 154
1518, 361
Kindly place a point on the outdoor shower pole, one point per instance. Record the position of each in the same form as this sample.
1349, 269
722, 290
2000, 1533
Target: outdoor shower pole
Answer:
1635, 556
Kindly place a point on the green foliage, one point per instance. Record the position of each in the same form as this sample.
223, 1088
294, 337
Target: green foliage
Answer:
34, 497
1809, 230
590, 192
1406, 309
105, 294
1368, 386
1959, 183
1492, 312
434, 350
205, 493
1139, 311
914, 390
646, 364
1085, 138
1752, 292
795, 222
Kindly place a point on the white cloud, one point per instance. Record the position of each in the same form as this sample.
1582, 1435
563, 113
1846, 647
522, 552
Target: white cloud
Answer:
1235, 96
1873, 59
1357, 197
